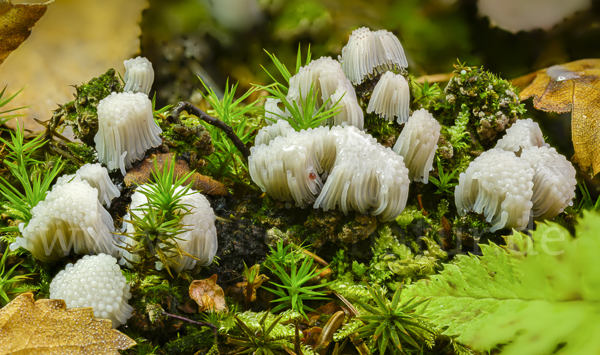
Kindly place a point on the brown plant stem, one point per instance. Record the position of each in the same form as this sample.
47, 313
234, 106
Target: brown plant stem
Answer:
213, 121
202, 324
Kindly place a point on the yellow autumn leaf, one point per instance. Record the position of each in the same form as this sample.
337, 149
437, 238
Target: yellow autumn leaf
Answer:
16, 22
75, 41
574, 87
47, 327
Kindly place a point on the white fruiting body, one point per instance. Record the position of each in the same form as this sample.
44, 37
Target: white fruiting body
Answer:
417, 144
97, 176
366, 176
283, 166
268, 133
350, 111
138, 199
499, 185
368, 53
521, 135
327, 78
198, 240
553, 183
69, 218
139, 75
272, 111
362, 175
97, 282
126, 129
391, 98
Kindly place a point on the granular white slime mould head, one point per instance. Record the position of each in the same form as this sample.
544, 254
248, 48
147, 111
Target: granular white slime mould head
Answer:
97, 282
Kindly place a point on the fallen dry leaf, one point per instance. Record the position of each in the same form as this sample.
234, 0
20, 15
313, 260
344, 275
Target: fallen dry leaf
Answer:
47, 327
75, 41
141, 174
250, 286
208, 295
326, 337
16, 22
574, 87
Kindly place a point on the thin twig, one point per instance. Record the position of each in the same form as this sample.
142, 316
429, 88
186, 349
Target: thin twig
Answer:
203, 324
435, 78
347, 303
188, 107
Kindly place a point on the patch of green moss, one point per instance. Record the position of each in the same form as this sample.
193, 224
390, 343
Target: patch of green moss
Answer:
192, 140
84, 152
155, 289
469, 231
386, 132
74, 155
194, 341
81, 113
394, 262
490, 103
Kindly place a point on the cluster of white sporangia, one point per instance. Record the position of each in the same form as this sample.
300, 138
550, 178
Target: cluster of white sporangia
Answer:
198, 240
499, 185
97, 176
522, 134
268, 133
70, 217
97, 282
126, 129
508, 188
417, 144
326, 77
391, 97
369, 53
553, 183
139, 75
362, 175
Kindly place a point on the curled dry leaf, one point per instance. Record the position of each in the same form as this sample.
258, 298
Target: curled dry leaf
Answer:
208, 295
141, 174
16, 22
51, 329
326, 337
574, 87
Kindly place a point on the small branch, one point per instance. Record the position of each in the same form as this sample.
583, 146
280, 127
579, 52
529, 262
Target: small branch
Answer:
213, 121
203, 324
347, 303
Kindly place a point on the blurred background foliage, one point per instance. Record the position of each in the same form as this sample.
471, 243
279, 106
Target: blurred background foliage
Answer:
220, 39
217, 39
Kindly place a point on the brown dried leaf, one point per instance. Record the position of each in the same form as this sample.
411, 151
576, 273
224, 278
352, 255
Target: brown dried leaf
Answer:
257, 282
142, 173
208, 295
16, 22
326, 337
574, 87
47, 327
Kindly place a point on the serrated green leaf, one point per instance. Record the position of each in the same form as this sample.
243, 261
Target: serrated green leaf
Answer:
531, 303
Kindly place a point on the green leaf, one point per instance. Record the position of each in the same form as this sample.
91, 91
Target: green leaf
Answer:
530, 303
